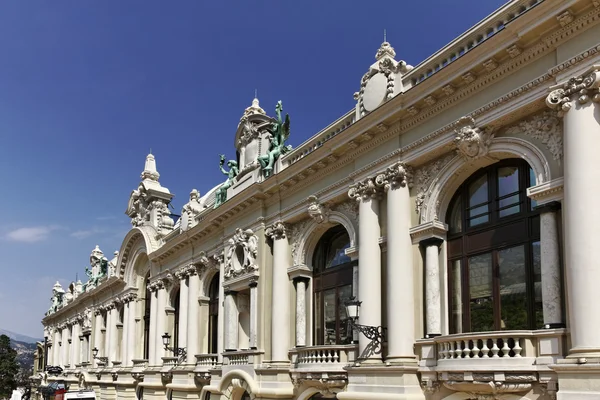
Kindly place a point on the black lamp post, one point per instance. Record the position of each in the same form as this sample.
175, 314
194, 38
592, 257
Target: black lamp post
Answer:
373, 333
177, 351
101, 359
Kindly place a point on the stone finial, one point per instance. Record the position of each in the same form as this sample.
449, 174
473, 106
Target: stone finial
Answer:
150, 171
385, 49
255, 108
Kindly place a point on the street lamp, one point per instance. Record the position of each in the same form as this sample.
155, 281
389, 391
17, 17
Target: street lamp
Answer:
373, 333
177, 351
103, 360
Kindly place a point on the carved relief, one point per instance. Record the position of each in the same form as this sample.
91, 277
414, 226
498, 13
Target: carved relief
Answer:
241, 254
545, 127
317, 211
277, 231
398, 175
423, 178
191, 210
576, 89
364, 190
296, 232
349, 208
471, 141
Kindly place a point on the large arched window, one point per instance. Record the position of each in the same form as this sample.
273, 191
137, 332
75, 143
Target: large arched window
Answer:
494, 271
332, 282
213, 314
146, 310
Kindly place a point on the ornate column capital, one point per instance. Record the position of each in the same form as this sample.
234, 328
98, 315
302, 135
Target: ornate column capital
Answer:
398, 175
181, 274
279, 230
364, 190
582, 89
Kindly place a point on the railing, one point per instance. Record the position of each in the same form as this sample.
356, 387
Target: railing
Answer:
169, 361
242, 357
323, 357
207, 361
140, 364
488, 349
320, 138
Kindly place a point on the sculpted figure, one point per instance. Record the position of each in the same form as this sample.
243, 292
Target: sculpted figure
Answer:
98, 270
277, 147
192, 209
221, 193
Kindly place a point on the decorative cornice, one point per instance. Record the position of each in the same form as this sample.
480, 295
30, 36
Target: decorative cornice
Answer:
547, 192
428, 230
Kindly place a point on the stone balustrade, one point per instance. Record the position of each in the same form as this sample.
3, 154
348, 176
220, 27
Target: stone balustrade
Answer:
242, 357
139, 364
207, 361
169, 361
330, 358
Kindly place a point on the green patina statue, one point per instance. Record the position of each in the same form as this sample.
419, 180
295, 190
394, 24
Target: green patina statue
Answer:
221, 193
98, 270
281, 132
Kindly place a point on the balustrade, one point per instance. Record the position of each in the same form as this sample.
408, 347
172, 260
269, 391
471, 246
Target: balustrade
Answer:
207, 361
242, 357
323, 357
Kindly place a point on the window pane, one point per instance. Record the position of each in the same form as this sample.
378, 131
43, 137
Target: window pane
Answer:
319, 320
336, 254
456, 216
508, 180
537, 284
478, 210
513, 288
480, 290
508, 201
532, 182
478, 191
509, 211
479, 220
329, 308
457, 306
345, 293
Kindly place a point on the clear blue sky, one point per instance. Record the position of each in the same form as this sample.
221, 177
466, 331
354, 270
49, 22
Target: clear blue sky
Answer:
88, 87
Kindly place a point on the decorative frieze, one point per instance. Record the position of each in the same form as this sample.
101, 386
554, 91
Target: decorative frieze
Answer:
490, 65
398, 175
241, 254
513, 51
582, 89
471, 142
469, 77
545, 127
565, 18
448, 90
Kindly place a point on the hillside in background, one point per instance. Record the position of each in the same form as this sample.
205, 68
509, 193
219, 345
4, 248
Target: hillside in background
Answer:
19, 337
25, 353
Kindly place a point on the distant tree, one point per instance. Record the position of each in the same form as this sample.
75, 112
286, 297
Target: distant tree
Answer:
9, 368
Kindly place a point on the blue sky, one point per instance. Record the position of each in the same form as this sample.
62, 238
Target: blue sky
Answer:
88, 87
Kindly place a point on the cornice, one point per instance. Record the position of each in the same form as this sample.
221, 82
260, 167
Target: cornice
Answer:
547, 192
428, 230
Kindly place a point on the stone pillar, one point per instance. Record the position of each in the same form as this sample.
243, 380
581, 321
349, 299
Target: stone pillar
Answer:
153, 287
577, 101
433, 304
183, 308
125, 331
254, 314
399, 280
161, 319
280, 322
369, 263
57, 345
131, 332
231, 321
64, 351
113, 341
193, 311
301, 311
97, 335
550, 260
75, 345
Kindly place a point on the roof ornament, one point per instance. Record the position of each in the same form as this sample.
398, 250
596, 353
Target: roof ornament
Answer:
150, 171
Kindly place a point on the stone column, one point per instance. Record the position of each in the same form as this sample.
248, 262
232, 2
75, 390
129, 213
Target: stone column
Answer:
399, 280
193, 311
577, 101
56, 344
125, 332
75, 345
254, 314
300, 311
433, 304
550, 266
280, 322
64, 350
153, 287
161, 318
97, 335
131, 332
231, 321
113, 341
369, 263
183, 308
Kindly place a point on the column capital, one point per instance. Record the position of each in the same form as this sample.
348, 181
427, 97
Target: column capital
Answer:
279, 230
582, 89
551, 206
432, 241
364, 190
253, 282
228, 292
396, 176
304, 279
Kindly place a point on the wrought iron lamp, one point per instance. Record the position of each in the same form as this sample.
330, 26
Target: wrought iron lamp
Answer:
373, 333
101, 359
177, 351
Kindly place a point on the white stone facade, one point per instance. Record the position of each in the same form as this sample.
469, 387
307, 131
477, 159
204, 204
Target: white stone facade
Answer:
479, 293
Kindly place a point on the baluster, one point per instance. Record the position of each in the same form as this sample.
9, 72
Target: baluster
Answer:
459, 350
517, 347
336, 356
495, 348
475, 348
446, 347
468, 350
505, 348
328, 356
485, 349
451, 349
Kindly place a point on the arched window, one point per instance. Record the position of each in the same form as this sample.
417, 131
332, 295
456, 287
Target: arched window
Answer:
213, 314
146, 310
176, 319
245, 396
494, 270
332, 282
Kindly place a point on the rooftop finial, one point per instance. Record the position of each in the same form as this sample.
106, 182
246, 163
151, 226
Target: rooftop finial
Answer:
150, 171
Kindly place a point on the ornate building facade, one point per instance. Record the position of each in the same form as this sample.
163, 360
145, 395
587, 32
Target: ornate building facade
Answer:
436, 242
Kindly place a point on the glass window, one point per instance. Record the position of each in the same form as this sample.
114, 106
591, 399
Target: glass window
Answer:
332, 283
213, 314
494, 272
